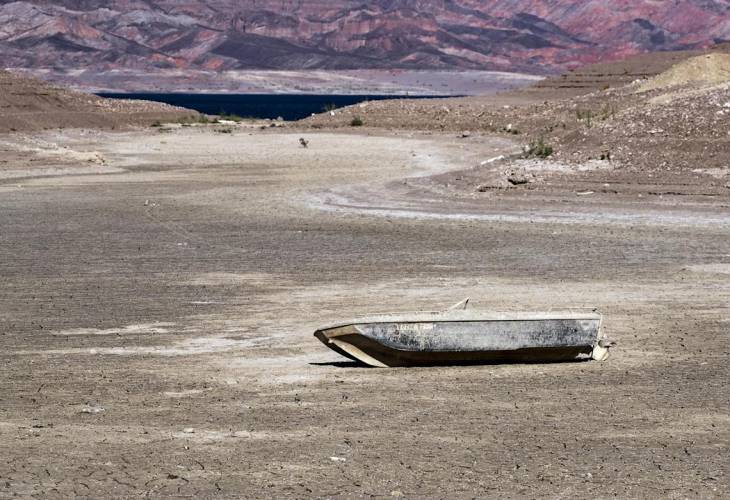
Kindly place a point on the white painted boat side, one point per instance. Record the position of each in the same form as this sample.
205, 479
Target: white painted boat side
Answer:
464, 315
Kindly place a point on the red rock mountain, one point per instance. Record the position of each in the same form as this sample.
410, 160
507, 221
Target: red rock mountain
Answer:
521, 35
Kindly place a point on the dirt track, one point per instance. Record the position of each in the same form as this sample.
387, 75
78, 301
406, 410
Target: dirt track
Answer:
176, 284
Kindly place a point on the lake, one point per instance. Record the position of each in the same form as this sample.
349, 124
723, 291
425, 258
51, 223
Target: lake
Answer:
272, 106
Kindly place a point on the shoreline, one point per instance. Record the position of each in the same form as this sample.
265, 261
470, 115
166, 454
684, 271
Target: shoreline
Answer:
343, 82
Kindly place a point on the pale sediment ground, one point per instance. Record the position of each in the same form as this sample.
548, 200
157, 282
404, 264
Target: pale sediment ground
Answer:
394, 82
156, 321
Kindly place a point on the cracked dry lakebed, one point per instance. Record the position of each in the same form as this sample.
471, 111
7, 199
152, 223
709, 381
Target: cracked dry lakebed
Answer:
160, 291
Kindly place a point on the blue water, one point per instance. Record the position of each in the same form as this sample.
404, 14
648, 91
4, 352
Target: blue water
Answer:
287, 106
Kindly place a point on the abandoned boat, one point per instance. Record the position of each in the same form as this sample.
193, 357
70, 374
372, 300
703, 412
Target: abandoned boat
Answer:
458, 336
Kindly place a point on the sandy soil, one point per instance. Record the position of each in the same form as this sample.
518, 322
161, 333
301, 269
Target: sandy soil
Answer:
28, 104
160, 292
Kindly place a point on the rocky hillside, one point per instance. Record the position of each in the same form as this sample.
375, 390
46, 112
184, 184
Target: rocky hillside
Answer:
514, 35
29, 104
672, 116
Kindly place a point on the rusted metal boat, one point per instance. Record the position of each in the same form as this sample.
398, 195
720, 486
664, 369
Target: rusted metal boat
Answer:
458, 336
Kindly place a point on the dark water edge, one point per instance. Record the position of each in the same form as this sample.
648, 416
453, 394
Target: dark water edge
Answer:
271, 106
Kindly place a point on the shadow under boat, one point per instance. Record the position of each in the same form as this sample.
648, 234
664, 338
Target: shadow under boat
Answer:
461, 337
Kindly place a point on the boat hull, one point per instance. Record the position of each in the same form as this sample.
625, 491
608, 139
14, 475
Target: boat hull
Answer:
465, 338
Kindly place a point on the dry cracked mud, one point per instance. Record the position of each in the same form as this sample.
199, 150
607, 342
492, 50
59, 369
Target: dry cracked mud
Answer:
157, 309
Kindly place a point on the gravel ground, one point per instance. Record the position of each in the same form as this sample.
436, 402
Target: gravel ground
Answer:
650, 116
159, 300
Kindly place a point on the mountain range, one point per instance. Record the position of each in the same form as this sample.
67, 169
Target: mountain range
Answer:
507, 35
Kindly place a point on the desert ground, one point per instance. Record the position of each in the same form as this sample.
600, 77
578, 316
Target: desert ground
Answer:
160, 288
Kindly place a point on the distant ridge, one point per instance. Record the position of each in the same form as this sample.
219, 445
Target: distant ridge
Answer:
511, 35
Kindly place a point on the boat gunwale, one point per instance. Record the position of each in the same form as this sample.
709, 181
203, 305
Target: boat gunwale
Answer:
463, 317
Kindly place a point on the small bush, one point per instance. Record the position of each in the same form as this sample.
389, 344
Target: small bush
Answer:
229, 116
356, 122
156, 124
608, 111
198, 118
585, 115
224, 130
329, 107
538, 149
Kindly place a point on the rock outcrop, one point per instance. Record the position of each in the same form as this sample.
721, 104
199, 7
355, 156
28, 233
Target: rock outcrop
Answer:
513, 35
